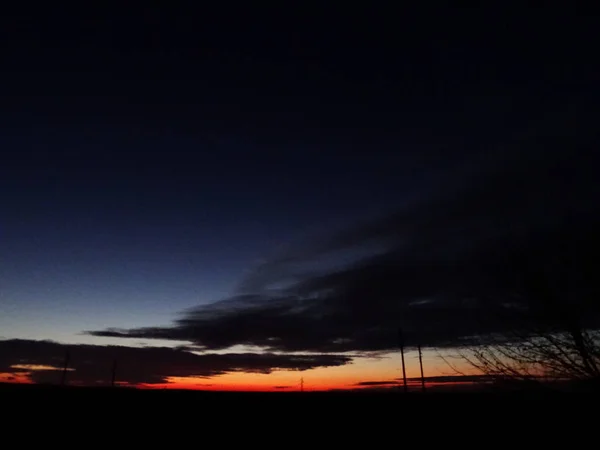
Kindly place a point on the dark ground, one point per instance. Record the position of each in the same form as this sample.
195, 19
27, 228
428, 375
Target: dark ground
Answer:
333, 399
134, 416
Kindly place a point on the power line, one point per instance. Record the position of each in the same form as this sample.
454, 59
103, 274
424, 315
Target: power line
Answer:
114, 373
63, 379
421, 365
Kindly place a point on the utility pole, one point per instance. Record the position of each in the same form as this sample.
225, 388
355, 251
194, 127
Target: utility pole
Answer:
63, 379
114, 373
301, 384
421, 365
401, 343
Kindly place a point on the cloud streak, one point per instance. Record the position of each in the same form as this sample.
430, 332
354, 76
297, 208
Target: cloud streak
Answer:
376, 383
42, 362
462, 262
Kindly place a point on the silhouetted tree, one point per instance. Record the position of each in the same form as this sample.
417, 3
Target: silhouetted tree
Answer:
543, 293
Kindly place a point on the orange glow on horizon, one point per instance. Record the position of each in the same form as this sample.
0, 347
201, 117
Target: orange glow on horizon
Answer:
386, 368
16, 377
382, 372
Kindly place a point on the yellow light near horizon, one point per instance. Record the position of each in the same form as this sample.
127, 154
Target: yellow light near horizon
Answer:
36, 367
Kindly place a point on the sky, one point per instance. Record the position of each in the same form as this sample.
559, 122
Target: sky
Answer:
238, 204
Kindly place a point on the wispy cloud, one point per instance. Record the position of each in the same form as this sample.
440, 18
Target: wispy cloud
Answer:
466, 248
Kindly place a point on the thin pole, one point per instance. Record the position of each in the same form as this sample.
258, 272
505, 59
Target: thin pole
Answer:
114, 373
421, 365
401, 342
63, 379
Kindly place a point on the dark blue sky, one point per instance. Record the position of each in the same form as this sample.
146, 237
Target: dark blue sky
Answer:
148, 164
127, 231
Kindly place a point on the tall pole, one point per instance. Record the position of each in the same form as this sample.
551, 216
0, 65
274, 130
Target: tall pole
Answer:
301, 384
421, 365
401, 343
114, 373
63, 379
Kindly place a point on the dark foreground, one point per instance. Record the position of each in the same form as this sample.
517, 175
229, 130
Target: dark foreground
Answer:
120, 413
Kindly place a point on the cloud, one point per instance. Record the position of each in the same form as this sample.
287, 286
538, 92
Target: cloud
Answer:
434, 379
376, 383
465, 260
443, 383
92, 364
455, 379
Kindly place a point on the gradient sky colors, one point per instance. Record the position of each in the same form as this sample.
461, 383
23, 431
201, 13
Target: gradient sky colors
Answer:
152, 167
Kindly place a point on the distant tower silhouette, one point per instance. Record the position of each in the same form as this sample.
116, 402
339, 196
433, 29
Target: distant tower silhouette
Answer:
114, 373
301, 384
63, 379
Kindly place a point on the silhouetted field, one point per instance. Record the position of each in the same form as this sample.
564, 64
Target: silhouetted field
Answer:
339, 415
331, 398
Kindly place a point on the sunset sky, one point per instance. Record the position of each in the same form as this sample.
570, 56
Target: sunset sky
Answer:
243, 206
